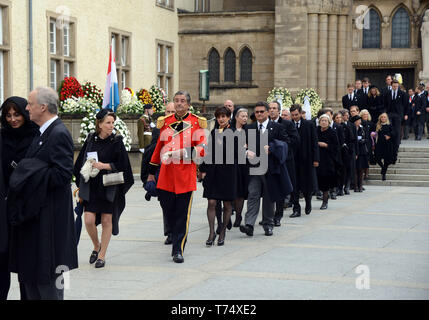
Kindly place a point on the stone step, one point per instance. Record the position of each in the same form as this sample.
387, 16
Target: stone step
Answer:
413, 160
404, 165
395, 170
413, 149
403, 177
400, 183
413, 155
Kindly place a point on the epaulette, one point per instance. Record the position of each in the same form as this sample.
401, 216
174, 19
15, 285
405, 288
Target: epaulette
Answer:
202, 122
161, 120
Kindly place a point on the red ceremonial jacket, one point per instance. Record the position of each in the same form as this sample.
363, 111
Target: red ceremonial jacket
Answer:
178, 176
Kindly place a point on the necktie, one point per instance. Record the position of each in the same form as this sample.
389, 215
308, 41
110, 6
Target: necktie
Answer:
261, 127
297, 125
350, 97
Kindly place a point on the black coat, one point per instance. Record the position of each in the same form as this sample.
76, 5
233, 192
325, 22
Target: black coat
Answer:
293, 138
147, 155
362, 149
420, 104
339, 131
40, 245
3, 217
16, 141
308, 153
375, 107
397, 106
220, 182
110, 150
369, 127
275, 131
384, 149
328, 156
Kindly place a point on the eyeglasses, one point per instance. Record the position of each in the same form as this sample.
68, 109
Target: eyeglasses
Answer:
260, 111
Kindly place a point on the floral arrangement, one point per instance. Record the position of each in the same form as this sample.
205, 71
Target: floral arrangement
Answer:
69, 88
130, 91
159, 98
144, 96
78, 105
315, 102
122, 129
93, 93
88, 125
193, 111
283, 94
129, 103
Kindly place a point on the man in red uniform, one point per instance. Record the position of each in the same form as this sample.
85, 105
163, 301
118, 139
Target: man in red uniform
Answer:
181, 141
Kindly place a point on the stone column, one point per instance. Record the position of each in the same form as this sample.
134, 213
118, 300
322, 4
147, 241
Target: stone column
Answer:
313, 33
341, 66
332, 57
322, 78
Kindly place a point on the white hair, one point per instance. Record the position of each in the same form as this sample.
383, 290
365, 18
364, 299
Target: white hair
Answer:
48, 97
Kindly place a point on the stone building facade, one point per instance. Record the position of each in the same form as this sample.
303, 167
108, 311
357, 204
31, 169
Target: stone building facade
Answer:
82, 49
300, 44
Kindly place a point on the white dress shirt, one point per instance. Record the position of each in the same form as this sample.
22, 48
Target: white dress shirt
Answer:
46, 125
264, 125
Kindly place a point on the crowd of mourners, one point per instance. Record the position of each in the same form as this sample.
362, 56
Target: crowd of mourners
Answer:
269, 153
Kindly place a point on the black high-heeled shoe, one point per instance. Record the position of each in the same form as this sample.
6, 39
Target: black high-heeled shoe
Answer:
209, 242
237, 222
221, 241
100, 263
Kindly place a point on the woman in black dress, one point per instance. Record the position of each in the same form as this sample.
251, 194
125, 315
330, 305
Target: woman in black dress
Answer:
369, 127
375, 103
17, 134
219, 175
239, 126
329, 148
384, 149
103, 204
361, 153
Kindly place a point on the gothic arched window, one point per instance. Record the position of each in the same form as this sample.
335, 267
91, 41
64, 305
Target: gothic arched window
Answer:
371, 36
214, 65
229, 65
401, 29
246, 65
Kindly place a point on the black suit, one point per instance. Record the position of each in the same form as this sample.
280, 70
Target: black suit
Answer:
420, 105
395, 107
293, 141
307, 154
35, 258
362, 99
258, 182
347, 102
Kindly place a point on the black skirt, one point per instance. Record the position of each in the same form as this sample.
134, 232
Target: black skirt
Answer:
362, 162
220, 182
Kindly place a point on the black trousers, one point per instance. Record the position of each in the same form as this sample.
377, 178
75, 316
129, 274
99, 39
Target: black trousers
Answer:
4, 276
45, 292
419, 126
177, 208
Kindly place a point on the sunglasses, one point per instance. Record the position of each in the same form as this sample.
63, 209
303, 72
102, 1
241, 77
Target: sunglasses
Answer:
263, 111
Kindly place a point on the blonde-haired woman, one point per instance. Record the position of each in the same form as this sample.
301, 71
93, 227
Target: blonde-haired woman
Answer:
384, 148
329, 148
375, 103
103, 204
369, 128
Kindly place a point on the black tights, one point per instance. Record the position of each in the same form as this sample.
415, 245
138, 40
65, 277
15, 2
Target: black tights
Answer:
211, 215
239, 204
383, 166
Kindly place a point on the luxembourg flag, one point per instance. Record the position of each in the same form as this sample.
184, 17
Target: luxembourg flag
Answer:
111, 92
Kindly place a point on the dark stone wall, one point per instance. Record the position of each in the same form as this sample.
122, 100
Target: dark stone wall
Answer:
248, 5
